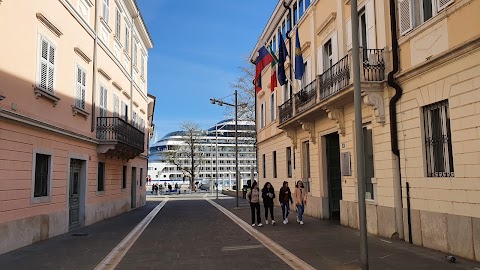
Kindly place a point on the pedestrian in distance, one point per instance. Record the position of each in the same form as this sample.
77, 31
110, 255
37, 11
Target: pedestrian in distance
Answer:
300, 200
284, 196
268, 194
253, 197
169, 188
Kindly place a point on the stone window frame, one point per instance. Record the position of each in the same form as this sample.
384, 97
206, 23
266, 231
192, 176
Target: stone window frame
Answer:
42, 199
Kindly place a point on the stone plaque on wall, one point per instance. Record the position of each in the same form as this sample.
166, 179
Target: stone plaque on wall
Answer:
345, 161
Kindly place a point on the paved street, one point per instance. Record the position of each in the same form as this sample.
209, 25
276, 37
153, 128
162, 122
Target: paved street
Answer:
189, 232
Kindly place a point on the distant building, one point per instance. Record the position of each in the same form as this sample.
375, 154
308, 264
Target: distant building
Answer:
219, 139
429, 139
75, 115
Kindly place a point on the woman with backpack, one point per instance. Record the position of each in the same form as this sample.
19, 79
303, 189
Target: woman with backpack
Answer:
254, 200
268, 194
284, 196
300, 200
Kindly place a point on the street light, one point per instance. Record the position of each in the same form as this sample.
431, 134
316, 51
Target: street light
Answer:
235, 105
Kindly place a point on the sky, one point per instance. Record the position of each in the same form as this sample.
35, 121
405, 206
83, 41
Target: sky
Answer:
198, 48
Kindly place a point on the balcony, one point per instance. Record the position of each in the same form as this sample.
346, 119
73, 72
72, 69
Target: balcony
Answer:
334, 89
119, 138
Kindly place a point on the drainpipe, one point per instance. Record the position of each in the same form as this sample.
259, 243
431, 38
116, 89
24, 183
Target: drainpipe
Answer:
397, 180
94, 80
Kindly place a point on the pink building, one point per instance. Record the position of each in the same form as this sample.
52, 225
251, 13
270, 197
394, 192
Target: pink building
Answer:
75, 115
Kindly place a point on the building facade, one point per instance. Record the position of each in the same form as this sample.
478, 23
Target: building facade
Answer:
75, 115
420, 85
216, 146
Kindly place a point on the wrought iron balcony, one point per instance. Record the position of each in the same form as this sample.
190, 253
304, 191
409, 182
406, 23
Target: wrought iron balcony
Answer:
286, 111
373, 65
335, 79
119, 138
306, 97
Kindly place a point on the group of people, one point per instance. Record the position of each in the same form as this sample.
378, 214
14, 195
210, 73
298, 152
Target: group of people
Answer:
157, 187
285, 199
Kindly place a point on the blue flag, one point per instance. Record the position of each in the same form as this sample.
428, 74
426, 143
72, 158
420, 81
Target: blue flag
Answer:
299, 66
282, 57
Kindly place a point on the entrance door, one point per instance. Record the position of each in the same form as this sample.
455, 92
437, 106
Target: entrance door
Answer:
74, 194
134, 188
334, 174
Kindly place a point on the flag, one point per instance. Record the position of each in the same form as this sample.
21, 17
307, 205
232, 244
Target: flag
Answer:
264, 58
273, 78
282, 57
299, 66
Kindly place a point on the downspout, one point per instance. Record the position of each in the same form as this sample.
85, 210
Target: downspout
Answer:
94, 80
287, 6
397, 180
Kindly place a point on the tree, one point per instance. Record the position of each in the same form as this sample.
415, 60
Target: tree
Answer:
188, 156
246, 92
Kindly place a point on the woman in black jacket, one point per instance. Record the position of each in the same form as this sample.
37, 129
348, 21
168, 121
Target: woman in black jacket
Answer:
268, 193
284, 196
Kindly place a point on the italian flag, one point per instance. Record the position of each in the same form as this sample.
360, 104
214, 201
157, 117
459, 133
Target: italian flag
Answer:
273, 78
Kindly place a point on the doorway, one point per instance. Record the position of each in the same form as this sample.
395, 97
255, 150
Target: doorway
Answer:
134, 188
334, 177
75, 194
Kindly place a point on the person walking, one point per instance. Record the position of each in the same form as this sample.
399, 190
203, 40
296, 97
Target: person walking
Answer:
253, 197
284, 196
268, 194
300, 200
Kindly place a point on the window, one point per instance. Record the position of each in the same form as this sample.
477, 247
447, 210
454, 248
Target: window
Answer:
300, 8
101, 176
289, 162
438, 140
106, 10
273, 106
134, 119
42, 175
413, 13
116, 104
127, 39
363, 29
80, 88
307, 3
47, 65
426, 10
118, 23
328, 55
369, 163
264, 166
124, 111
274, 46
134, 54
262, 115
142, 69
306, 164
295, 14
289, 23
284, 30
274, 164
103, 102
124, 177
141, 176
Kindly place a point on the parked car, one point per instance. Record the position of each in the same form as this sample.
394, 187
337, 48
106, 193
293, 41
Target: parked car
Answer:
184, 188
204, 187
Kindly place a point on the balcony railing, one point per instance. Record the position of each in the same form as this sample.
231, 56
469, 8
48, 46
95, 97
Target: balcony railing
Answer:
306, 97
373, 65
117, 129
286, 111
335, 78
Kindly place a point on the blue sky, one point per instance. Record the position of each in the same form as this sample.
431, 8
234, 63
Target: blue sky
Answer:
198, 47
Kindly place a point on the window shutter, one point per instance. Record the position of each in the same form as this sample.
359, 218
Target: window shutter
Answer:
115, 105
44, 64
334, 46
80, 89
124, 110
349, 34
51, 67
84, 88
405, 10
370, 17
320, 60
442, 4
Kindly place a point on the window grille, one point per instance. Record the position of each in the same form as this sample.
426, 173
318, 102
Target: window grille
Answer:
101, 176
42, 175
438, 140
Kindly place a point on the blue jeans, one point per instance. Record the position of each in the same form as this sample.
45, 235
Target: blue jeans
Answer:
300, 209
285, 210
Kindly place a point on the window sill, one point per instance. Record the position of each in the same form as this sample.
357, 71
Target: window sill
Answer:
105, 24
143, 78
44, 199
76, 110
100, 193
117, 41
40, 92
135, 68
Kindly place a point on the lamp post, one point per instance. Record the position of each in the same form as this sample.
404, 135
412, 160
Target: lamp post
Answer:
235, 105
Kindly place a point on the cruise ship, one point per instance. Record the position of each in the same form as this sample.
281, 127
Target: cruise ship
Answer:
218, 151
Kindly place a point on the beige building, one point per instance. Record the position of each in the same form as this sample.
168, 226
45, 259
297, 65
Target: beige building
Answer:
421, 109
75, 115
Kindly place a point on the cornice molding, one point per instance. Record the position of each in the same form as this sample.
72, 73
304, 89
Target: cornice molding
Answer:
126, 94
135, 103
330, 18
101, 71
49, 24
82, 55
117, 86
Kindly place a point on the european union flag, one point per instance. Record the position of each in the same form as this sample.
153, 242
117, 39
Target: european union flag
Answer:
282, 57
299, 66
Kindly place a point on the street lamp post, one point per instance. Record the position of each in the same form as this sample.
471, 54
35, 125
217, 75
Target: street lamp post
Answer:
235, 105
216, 158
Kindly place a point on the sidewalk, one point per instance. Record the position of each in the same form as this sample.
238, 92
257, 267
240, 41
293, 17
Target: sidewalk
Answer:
83, 248
325, 244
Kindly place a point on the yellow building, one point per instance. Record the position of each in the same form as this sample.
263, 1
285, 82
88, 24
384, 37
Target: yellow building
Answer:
75, 115
421, 104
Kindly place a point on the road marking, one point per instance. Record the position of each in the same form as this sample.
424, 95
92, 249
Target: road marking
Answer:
288, 257
116, 255
241, 247
385, 241
383, 257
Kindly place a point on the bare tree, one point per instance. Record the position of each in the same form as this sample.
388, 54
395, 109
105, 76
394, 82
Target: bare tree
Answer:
188, 155
246, 92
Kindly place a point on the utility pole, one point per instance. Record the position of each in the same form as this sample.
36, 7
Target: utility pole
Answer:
359, 148
236, 144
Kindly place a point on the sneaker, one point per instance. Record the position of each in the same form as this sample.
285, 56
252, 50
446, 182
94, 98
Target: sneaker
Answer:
301, 222
260, 224
273, 222
253, 225
266, 222
284, 221
298, 220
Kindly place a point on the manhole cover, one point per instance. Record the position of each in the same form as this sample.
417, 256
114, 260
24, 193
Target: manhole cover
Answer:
80, 234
